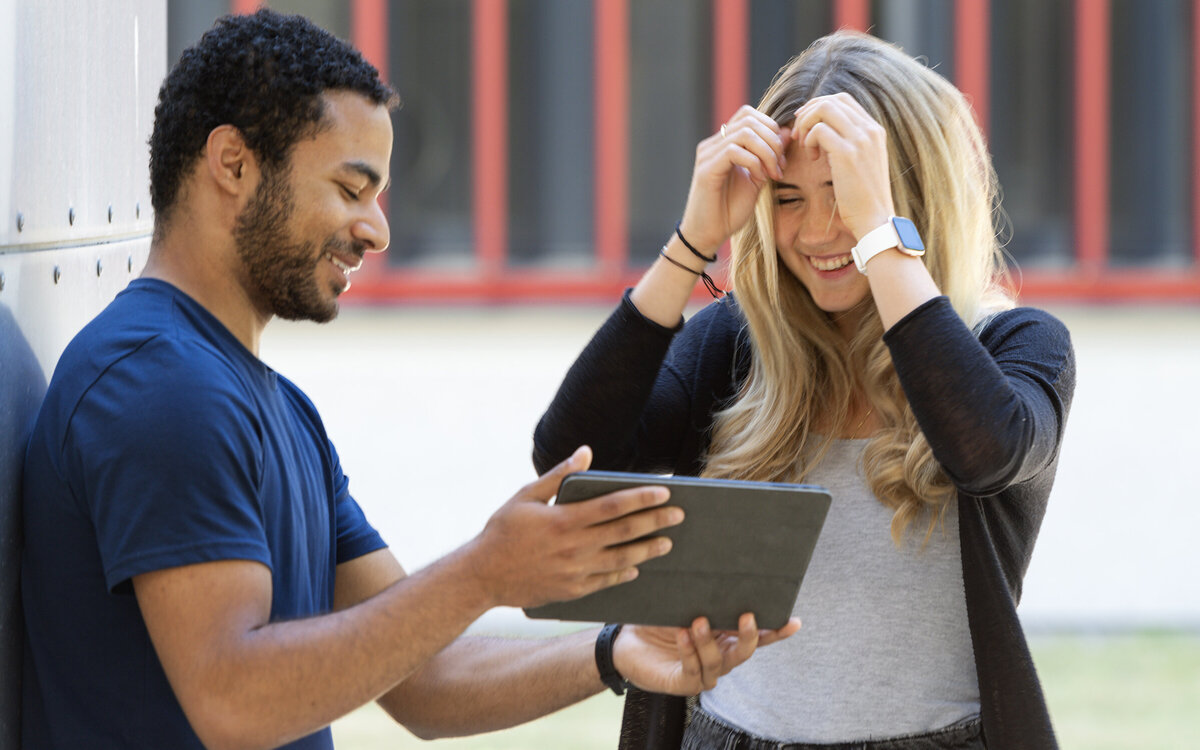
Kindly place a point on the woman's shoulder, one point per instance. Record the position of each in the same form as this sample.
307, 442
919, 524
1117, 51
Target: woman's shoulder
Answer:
721, 316
1027, 322
713, 340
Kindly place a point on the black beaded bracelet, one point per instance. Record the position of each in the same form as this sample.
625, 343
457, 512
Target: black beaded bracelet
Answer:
604, 659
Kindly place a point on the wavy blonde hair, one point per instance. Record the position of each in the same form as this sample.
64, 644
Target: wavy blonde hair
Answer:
803, 373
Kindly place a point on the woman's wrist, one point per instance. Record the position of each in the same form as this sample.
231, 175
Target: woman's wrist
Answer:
707, 257
697, 240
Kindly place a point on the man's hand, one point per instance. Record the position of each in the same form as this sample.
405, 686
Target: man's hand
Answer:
688, 661
531, 552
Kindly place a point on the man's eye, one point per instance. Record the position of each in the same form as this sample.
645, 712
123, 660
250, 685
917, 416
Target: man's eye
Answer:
350, 193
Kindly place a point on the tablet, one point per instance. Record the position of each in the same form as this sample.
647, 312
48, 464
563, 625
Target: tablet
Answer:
742, 547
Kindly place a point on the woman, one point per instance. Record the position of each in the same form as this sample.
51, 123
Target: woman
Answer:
878, 356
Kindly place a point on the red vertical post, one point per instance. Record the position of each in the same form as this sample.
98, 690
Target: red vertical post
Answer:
972, 63
731, 45
612, 134
1091, 133
245, 7
489, 134
852, 14
369, 32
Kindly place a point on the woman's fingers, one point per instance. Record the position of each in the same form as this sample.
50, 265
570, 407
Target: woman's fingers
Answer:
843, 119
731, 168
856, 145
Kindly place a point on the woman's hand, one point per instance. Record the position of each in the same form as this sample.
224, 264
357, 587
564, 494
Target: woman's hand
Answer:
732, 166
688, 661
838, 127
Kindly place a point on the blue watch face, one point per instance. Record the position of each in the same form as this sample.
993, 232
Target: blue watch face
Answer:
909, 236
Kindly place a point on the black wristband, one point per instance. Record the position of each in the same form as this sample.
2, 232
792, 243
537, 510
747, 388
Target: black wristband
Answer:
689, 246
709, 284
604, 659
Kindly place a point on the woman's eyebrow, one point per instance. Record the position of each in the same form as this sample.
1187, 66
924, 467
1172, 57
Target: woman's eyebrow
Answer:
790, 186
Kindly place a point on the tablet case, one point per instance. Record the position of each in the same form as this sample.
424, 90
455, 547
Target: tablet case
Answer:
743, 547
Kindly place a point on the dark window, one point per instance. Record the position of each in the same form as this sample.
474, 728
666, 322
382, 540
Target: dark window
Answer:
1031, 127
430, 199
1150, 143
670, 112
551, 174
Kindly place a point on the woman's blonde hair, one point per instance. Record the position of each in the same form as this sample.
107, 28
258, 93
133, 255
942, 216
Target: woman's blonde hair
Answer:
802, 371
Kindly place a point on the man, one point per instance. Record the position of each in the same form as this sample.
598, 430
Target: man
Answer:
196, 572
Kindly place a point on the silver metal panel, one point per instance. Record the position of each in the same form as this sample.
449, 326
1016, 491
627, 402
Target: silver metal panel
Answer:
50, 294
78, 83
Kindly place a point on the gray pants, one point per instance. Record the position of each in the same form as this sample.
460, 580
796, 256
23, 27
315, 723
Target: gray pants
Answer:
706, 732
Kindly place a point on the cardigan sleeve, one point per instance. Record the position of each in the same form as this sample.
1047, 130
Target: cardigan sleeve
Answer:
993, 407
641, 395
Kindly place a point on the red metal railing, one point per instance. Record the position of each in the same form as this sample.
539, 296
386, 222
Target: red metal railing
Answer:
492, 280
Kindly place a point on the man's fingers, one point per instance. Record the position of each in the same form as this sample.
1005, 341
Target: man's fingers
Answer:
632, 554
708, 651
767, 637
546, 486
614, 505
747, 641
689, 661
607, 579
636, 526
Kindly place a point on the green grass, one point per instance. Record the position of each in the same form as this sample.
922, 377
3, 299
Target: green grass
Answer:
1120, 692
1105, 693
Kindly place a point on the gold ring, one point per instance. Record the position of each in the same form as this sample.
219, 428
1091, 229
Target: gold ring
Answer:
722, 130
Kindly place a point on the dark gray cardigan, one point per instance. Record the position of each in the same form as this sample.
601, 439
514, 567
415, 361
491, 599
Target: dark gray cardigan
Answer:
992, 406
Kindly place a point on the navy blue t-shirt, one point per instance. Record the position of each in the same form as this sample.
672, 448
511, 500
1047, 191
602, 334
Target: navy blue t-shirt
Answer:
163, 442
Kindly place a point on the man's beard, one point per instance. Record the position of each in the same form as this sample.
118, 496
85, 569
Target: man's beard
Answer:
282, 273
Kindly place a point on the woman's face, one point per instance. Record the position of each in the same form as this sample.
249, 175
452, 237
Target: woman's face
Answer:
812, 240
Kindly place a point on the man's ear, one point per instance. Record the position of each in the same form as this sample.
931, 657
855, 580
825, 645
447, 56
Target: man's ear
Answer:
230, 162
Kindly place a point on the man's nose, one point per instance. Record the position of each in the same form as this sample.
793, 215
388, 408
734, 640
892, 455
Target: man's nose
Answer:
372, 230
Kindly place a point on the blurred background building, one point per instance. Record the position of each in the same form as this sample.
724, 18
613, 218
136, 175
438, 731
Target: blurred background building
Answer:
545, 146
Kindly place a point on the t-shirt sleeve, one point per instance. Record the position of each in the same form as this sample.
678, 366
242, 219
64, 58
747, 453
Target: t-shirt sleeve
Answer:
355, 535
170, 480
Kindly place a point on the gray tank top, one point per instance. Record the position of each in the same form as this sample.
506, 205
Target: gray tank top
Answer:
884, 650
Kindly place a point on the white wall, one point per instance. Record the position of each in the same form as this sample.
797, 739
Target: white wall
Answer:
432, 411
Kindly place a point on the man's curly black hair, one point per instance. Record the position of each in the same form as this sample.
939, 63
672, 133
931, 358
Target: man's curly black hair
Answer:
262, 73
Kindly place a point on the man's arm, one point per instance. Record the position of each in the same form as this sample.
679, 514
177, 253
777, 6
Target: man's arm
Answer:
476, 684
244, 681
479, 684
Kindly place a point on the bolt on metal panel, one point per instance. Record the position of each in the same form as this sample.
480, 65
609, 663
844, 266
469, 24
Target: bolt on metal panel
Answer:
78, 85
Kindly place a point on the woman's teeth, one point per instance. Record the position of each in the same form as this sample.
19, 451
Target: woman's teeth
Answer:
831, 264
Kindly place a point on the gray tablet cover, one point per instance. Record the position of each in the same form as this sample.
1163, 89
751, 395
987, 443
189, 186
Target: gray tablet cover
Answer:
743, 547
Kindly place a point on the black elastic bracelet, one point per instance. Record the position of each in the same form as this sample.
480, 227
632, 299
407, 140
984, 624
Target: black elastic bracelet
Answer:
688, 245
604, 659
709, 284
677, 264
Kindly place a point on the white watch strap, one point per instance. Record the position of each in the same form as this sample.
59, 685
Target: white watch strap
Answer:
874, 242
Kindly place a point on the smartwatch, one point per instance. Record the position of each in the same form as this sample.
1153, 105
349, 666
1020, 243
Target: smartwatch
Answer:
897, 232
